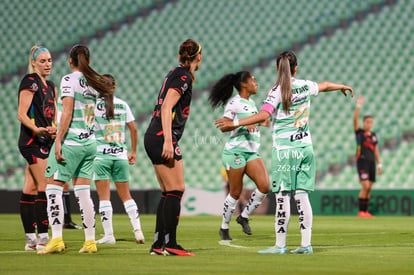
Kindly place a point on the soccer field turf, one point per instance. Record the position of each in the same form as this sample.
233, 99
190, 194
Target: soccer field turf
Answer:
342, 245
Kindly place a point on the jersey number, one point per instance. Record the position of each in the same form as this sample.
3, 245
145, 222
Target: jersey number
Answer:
301, 117
113, 133
89, 114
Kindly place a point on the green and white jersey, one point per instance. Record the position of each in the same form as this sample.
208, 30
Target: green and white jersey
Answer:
291, 129
241, 140
80, 131
110, 134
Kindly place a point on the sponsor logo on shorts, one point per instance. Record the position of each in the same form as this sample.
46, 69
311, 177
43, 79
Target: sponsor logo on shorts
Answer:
44, 150
237, 160
364, 176
177, 151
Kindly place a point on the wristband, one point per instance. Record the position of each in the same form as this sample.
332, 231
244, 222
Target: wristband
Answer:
236, 122
359, 105
379, 165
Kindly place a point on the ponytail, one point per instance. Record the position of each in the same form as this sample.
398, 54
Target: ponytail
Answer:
286, 63
102, 84
223, 89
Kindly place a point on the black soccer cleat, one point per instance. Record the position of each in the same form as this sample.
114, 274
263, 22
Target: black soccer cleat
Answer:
244, 222
71, 225
225, 234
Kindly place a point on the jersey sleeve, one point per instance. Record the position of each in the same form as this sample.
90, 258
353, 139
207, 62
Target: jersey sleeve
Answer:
273, 98
313, 87
230, 110
129, 116
28, 83
181, 83
67, 87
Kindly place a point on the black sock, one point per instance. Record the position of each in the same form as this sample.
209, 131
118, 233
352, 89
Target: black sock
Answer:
363, 204
66, 207
159, 224
172, 208
27, 212
41, 213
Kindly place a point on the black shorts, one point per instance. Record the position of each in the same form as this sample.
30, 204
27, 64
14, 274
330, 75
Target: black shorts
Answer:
366, 169
154, 145
33, 151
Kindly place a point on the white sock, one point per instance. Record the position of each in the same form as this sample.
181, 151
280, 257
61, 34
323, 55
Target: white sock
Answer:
228, 210
305, 216
105, 211
55, 209
131, 209
83, 196
282, 217
31, 236
255, 200
43, 236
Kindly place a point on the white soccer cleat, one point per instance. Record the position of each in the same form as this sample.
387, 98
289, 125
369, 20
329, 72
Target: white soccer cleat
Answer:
110, 239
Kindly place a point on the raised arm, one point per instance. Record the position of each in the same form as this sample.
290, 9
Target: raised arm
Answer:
360, 101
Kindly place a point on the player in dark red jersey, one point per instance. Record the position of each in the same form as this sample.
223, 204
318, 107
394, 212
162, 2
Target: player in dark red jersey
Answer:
36, 112
161, 144
367, 154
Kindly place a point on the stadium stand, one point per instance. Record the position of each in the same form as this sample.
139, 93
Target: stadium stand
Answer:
327, 36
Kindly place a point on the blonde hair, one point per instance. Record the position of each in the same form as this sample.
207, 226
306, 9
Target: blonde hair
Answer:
30, 67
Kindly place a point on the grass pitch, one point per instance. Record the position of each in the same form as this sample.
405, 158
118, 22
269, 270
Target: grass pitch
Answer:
342, 245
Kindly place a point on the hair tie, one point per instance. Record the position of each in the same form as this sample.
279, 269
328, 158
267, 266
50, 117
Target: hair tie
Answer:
39, 51
197, 52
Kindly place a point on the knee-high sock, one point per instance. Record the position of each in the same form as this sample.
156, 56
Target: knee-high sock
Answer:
228, 210
55, 209
131, 209
27, 213
172, 208
83, 196
305, 216
282, 217
105, 211
41, 213
159, 224
255, 200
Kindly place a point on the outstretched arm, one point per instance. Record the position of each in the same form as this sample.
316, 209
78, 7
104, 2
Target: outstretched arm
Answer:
330, 86
226, 124
360, 101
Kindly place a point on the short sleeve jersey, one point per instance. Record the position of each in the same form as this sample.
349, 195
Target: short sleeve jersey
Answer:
178, 79
291, 129
366, 144
241, 140
80, 131
110, 134
42, 109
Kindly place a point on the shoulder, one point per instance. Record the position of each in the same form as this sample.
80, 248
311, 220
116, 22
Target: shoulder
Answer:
29, 82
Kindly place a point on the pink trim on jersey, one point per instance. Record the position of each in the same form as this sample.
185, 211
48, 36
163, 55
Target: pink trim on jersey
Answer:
268, 108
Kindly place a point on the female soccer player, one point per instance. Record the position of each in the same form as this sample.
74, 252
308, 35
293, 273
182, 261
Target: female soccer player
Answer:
293, 164
36, 112
367, 154
75, 146
240, 155
161, 144
112, 161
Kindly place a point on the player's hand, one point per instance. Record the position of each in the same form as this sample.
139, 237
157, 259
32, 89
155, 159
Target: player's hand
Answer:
347, 88
58, 151
251, 128
51, 130
379, 170
132, 158
41, 131
224, 124
167, 151
360, 100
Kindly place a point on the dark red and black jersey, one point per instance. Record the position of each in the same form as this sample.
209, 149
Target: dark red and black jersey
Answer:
366, 143
42, 110
180, 80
